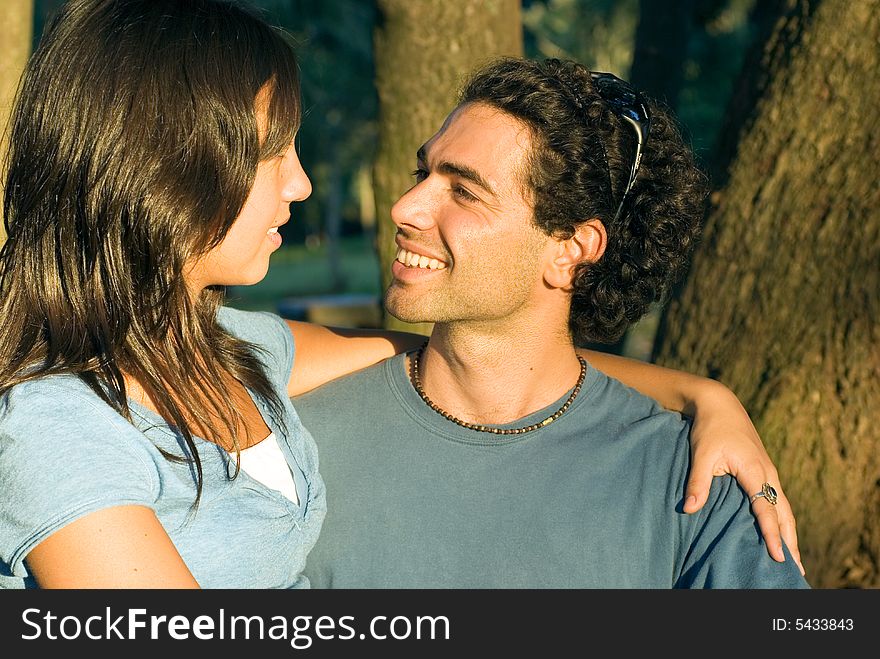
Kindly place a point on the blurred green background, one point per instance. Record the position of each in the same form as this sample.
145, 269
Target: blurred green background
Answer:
329, 244
782, 308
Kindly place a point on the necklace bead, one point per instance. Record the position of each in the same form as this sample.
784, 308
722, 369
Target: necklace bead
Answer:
415, 365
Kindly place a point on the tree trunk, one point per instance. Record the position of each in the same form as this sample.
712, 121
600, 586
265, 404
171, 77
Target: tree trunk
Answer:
423, 50
783, 297
17, 19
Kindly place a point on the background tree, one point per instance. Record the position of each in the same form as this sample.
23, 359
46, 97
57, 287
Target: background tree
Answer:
422, 52
597, 33
335, 52
783, 297
17, 19
686, 53
661, 46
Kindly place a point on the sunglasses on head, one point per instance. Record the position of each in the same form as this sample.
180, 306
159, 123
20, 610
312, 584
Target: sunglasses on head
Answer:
627, 103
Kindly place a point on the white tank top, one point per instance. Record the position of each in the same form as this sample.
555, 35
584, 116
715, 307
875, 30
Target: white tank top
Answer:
265, 463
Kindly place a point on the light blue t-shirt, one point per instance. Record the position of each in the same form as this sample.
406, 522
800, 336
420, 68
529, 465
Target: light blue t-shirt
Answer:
64, 453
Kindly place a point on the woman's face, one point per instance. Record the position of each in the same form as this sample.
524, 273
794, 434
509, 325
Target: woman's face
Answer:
242, 258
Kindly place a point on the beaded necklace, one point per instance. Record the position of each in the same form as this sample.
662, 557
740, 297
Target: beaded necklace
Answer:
415, 364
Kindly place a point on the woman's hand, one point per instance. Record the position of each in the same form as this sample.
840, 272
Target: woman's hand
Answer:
724, 441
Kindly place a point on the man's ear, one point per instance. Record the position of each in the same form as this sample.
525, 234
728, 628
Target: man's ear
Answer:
587, 245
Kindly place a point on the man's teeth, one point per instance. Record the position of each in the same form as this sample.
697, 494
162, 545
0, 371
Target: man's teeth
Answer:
414, 260
272, 230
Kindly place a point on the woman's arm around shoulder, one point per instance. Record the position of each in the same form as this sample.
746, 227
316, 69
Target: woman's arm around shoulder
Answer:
326, 353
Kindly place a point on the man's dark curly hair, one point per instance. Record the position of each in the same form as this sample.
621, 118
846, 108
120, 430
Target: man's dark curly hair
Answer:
571, 180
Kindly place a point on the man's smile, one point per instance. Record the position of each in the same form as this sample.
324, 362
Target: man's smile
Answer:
415, 260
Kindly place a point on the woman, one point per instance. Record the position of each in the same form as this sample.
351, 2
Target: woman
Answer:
151, 163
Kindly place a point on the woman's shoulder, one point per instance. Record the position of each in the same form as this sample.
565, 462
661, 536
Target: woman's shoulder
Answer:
265, 330
257, 327
49, 397
53, 413
64, 453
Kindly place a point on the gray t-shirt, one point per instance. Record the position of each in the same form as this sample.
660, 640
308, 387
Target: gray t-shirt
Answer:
65, 453
592, 500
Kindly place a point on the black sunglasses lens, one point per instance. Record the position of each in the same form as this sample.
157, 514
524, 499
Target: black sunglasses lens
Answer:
619, 94
614, 89
627, 103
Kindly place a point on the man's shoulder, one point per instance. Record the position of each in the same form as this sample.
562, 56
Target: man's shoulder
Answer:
347, 408
623, 407
626, 428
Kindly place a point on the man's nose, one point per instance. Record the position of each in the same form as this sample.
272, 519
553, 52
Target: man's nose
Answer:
415, 209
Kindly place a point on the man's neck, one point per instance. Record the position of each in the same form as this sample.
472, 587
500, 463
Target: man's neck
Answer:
484, 376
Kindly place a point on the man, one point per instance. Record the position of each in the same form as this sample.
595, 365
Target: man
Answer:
553, 207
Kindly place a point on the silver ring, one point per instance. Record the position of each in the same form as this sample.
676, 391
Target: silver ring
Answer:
768, 492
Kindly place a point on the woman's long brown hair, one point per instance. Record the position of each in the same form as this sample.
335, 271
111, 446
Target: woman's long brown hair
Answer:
133, 146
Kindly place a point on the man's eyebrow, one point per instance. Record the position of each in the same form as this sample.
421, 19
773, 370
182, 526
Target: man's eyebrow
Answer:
454, 169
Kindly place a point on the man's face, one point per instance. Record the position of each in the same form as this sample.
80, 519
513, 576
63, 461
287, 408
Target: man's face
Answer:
467, 247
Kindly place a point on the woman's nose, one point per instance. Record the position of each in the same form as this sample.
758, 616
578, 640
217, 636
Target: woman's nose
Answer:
297, 186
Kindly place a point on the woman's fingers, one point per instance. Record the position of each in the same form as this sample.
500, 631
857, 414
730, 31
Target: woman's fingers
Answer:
768, 521
788, 528
777, 522
697, 488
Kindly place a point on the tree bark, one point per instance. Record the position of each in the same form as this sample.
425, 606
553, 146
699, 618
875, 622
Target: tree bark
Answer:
783, 297
423, 50
17, 19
